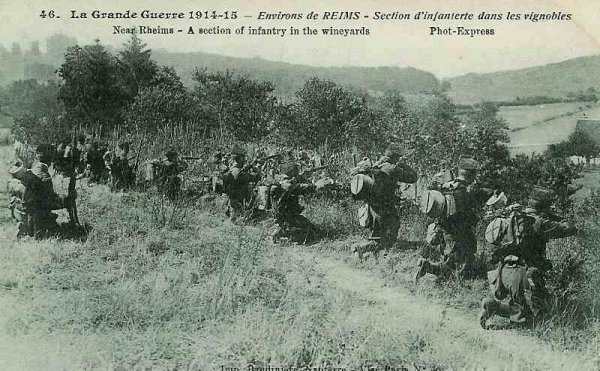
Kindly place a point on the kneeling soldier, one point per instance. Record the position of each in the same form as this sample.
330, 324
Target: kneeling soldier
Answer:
518, 285
285, 194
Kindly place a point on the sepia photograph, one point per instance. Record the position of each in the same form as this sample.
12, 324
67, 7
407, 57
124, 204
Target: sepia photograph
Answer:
373, 185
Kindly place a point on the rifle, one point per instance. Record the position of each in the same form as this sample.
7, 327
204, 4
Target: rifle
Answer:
312, 170
259, 159
71, 201
190, 158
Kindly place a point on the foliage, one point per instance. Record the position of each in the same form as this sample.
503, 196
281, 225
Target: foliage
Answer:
165, 103
325, 114
30, 97
35, 110
135, 68
523, 173
236, 105
579, 143
91, 90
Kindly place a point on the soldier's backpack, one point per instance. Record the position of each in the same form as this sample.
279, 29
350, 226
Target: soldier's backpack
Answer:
433, 204
456, 197
509, 234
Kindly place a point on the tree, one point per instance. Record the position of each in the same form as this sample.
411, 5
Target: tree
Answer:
135, 67
236, 105
91, 91
165, 103
324, 113
35, 109
579, 143
30, 97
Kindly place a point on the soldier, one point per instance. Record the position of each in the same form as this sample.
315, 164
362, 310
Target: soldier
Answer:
33, 206
285, 195
121, 173
94, 162
218, 169
518, 285
383, 221
236, 183
458, 225
62, 162
168, 171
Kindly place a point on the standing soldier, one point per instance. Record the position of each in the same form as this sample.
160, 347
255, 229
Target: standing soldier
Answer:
463, 199
167, 174
285, 194
380, 210
518, 285
236, 183
121, 174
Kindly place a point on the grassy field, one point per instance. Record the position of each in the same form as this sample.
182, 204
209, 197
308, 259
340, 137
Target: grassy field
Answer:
532, 128
162, 286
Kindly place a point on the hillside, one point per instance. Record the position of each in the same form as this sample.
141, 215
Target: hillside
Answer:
555, 80
288, 78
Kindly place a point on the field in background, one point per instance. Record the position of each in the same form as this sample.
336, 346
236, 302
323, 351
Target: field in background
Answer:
533, 128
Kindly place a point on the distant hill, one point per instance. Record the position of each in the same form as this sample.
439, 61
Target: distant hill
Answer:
288, 78
554, 80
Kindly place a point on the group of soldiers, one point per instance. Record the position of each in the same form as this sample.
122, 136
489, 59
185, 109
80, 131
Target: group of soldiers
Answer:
277, 182
270, 183
518, 235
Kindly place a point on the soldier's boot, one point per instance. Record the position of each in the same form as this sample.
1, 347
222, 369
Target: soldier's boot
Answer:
360, 249
423, 267
437, 269
489, 308
22, 230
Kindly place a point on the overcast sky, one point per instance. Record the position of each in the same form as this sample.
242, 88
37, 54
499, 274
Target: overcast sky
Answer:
391, 43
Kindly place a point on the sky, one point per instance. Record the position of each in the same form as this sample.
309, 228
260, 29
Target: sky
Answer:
516, 44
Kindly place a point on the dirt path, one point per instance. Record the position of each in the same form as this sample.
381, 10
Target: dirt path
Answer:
491, 349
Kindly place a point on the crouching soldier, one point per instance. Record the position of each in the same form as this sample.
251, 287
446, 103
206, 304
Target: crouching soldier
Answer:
168, 174
462, 199
518, 285
121, 173
285, 198
237, 185
376, 184
33, 200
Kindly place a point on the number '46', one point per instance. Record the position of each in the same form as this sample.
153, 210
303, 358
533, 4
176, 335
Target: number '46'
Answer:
47, 14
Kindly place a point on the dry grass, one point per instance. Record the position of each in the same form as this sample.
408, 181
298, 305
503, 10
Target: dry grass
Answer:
202, 293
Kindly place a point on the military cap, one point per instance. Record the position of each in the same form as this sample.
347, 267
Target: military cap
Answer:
468, 163
171, 153
290, 169
393, 151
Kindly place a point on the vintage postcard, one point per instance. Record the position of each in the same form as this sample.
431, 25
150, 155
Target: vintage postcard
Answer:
300, 185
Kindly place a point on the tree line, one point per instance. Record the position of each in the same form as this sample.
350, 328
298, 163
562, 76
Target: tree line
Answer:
104, 93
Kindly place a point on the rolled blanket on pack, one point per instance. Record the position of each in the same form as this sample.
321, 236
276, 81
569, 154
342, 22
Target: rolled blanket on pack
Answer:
14, 188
